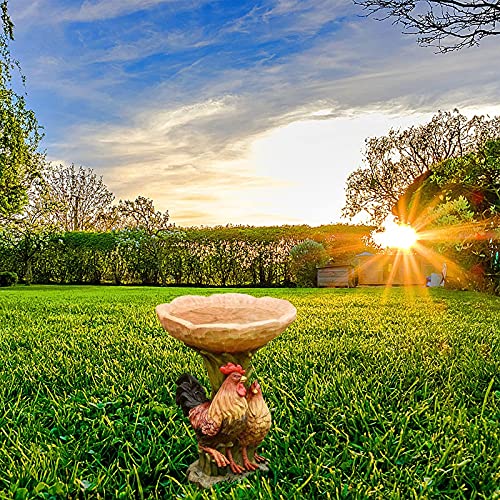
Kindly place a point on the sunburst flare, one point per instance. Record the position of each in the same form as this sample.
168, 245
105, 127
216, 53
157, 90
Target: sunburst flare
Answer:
395, 235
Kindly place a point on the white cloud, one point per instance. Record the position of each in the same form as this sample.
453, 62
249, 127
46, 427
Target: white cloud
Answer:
276, 19
292, 173
56, 11
150, 44
105, 9
217, 142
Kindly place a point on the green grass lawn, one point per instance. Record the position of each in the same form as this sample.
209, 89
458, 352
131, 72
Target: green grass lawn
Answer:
374, 393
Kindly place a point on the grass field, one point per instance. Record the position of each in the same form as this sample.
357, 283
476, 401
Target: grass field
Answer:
374, 394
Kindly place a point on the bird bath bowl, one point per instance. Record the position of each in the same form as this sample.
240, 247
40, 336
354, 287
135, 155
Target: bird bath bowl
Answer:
225, 329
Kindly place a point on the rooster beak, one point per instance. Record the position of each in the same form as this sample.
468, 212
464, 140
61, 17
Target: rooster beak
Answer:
255, 391
243, 379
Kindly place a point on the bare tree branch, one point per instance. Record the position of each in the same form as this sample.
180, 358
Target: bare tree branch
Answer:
80, 199
445, 24
141, 214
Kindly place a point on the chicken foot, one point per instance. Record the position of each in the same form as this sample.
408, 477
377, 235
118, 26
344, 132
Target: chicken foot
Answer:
237, 469
258, 458
246, 462
219, 458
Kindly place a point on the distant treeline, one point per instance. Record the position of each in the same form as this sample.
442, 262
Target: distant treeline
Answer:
220, 256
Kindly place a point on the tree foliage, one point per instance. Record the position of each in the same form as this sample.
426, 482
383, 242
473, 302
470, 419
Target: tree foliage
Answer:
27, 233
394, 161
72, 199
19, 131
141, 214
476, 177
218, 256
7, 278
306, 257
461, 201
80, 201
445, 24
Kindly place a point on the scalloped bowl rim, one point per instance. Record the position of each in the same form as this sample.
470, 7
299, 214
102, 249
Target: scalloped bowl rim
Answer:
288, 315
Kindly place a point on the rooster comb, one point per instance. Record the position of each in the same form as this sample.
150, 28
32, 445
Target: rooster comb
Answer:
231, 368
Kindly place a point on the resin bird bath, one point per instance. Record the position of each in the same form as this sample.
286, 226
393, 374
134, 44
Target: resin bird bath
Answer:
224, 328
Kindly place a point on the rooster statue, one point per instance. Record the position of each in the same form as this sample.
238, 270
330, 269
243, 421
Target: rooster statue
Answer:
258, 423
217, 423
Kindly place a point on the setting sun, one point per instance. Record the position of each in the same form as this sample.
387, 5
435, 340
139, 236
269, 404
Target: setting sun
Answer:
395, 235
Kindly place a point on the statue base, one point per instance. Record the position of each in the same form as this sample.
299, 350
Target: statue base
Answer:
196, 475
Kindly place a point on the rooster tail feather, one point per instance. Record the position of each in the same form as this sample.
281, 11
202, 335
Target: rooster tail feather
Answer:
189, 393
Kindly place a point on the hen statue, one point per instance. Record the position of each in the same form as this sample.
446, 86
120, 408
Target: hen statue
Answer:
236, 418
258, 423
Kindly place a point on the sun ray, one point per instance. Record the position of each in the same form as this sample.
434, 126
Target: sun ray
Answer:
437, 260
413, 251
390, 279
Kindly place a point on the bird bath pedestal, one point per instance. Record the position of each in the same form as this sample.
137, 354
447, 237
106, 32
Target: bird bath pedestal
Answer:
224, 329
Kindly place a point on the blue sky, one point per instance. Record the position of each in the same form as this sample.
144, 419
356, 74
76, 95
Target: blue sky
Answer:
233, 112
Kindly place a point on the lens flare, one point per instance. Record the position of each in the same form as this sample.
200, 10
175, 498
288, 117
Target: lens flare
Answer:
394, 235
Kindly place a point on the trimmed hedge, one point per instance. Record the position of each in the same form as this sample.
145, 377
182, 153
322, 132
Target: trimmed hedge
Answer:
7, 278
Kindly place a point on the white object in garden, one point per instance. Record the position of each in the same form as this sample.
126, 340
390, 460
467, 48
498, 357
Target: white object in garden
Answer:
444, 272
436, 279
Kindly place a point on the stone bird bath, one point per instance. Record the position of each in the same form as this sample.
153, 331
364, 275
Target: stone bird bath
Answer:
224, 328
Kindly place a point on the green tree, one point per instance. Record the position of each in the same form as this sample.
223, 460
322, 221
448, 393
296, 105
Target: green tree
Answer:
19, 131
80, 199
88, 255
26, 238
141, 214
29, 232
394, 161
306, 257
459, 203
